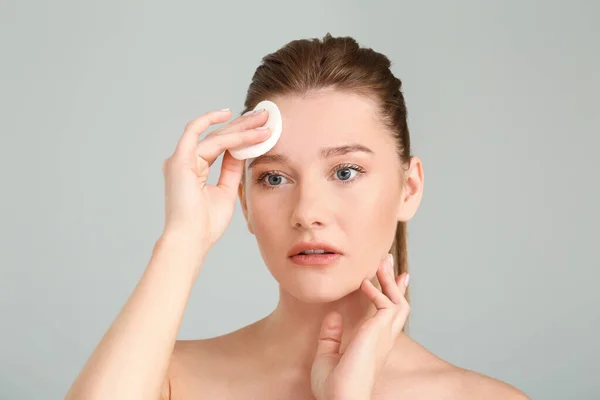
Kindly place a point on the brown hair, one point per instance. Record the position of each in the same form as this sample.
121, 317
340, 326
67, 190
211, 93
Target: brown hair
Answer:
308, 65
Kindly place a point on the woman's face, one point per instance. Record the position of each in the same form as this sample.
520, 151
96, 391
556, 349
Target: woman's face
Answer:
351, 200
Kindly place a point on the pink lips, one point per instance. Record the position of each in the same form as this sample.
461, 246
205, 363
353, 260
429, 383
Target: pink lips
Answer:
315, 259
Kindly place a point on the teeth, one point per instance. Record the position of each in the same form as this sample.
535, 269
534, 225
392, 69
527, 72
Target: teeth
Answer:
316, 251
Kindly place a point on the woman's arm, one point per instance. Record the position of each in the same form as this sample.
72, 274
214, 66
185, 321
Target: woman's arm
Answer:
132, 359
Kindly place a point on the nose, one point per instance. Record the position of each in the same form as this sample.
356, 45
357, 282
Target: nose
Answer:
310, 208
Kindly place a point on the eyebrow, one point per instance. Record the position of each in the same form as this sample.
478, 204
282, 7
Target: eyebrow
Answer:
326, 152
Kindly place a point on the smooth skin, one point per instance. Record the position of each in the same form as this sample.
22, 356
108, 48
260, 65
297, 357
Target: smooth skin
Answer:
332, 336
352, 374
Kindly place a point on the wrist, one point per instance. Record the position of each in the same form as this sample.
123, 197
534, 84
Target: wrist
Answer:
183, 242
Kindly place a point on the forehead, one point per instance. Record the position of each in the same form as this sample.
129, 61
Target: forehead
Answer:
325, 112
327, 118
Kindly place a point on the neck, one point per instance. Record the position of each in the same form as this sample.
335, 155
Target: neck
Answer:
293, 327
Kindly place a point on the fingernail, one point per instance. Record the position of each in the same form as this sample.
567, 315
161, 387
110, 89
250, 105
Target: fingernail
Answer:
253, 112
225, 109
391, 263
406, 280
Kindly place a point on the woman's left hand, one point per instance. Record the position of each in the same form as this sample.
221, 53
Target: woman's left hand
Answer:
352, 375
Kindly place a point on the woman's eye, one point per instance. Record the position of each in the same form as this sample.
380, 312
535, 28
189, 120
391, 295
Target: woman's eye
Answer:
345, 174
274, 180
270, 180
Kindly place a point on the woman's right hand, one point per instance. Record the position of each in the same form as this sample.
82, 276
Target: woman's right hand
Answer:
132, 359
192, 207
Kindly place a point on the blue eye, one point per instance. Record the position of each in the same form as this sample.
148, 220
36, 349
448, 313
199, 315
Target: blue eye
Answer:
274, 179
343, 172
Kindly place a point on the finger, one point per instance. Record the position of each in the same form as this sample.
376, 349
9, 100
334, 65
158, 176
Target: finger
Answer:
402, 314
231, 174
211, 147
189, 139
387, 282
251, 120
330, 336
380, 300
402, 282
245, 122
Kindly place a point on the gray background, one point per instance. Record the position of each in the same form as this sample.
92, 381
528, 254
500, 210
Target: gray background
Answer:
502, 100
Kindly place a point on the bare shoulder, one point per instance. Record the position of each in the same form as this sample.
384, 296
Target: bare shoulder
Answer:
201, 366
451, 382
471, 384
204, 357
417, 373
184, 359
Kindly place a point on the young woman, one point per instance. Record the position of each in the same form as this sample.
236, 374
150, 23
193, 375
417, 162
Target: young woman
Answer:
341, 179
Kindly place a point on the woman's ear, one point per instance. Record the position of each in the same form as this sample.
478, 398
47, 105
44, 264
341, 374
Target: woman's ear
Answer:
242, 197
412, 190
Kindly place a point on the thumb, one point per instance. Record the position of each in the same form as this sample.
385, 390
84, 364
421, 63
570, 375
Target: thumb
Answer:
328, 353
330, 336
231, 174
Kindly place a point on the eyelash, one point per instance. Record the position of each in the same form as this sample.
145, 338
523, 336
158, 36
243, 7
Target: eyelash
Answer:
337, 168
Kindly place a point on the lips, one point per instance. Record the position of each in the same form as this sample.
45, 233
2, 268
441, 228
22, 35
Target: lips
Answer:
313, 245
315, 260
330, 255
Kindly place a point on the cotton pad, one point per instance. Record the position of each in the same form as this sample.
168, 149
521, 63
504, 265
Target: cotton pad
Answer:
274, 123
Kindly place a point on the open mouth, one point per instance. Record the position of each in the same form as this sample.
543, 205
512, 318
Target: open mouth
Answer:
314, 252
305, 252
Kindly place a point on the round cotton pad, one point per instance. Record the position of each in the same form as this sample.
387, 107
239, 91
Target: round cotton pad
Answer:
274, 123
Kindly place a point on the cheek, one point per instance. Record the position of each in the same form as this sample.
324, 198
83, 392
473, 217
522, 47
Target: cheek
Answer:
268, 221
370, 226
265, 214
372, 210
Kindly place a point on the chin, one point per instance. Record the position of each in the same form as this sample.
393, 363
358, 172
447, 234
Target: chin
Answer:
317, 290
